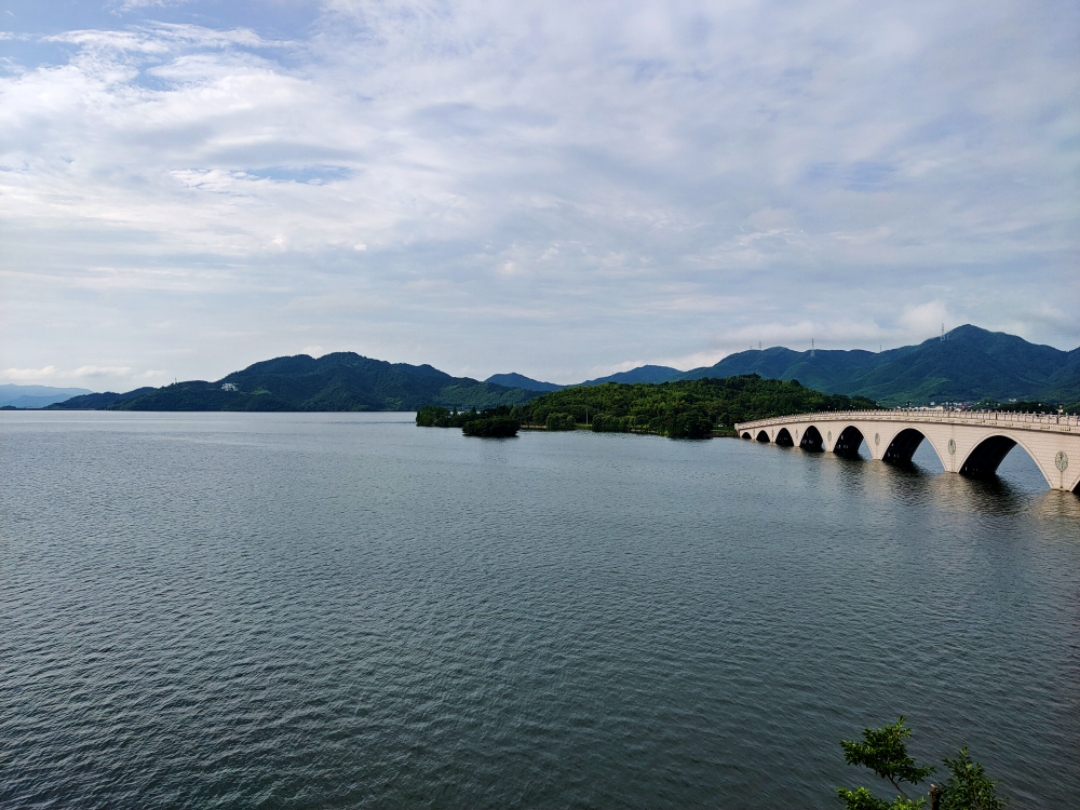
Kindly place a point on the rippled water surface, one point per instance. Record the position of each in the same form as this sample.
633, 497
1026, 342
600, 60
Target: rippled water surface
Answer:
234, 611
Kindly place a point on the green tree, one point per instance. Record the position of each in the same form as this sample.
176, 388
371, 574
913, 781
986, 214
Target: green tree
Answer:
681, 409
495, 426
433, 416
884, 751
560, 421
968, 787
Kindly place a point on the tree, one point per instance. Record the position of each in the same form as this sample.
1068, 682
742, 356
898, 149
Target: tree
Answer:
495, 426
560, 421
969, 788
884, 751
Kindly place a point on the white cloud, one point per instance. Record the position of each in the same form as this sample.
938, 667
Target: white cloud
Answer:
25, 374
131, 5
102, 371
928, 319
601, 180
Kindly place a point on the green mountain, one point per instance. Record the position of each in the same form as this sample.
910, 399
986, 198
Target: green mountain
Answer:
641, 374
969, 365
343, 381
515, 380
97, 402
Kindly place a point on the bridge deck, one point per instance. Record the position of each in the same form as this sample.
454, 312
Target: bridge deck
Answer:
1056, 423
967, 442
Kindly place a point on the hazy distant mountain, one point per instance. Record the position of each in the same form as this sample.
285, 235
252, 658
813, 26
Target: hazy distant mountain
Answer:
36, 396
513, 380
343, 381
969, 365
641, 374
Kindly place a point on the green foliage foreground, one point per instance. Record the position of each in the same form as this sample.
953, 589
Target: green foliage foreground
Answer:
682, 409
884, 751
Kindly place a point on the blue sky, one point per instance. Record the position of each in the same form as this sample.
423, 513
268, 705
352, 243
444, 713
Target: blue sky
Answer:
562, 190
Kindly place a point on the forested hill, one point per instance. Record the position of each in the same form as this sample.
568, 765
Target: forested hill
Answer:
343, 381
514, 380
641, 374
971, 364
686, 408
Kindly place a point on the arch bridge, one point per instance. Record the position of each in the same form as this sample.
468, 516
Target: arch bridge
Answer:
971, 443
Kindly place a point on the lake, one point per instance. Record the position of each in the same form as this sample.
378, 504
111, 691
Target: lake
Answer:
345, 610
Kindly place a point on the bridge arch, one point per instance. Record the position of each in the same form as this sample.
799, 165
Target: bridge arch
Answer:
988, 453
903, 446
848, 442
763, 436
783, 438
900, 449
812, 440
746, 434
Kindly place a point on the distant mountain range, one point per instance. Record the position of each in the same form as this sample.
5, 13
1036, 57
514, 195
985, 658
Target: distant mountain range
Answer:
521, 381
343, 381
641, 374
35, 396
969, 365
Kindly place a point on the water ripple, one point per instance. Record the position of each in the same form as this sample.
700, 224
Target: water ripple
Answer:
226, 611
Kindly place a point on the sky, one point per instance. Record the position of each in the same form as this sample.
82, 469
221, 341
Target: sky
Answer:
560, 189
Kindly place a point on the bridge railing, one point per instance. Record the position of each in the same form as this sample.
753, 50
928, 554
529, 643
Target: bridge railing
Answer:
1064, 423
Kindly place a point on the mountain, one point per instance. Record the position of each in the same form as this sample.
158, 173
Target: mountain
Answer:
36, 396
641, 374
969, 365
97, 402
513, 380
343, 381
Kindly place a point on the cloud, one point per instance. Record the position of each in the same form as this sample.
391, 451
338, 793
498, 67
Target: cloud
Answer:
160, 38
22, 374
131, 5
102, 371
588, 182
928, 318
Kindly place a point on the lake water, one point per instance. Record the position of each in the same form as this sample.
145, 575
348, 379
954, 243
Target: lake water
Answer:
339, 611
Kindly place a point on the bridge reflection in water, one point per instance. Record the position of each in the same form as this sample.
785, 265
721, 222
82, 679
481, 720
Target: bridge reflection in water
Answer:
972, 443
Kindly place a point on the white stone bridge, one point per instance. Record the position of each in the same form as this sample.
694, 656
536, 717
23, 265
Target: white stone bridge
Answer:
971, 443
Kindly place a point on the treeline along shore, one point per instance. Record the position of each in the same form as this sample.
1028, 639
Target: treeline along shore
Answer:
686, 409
